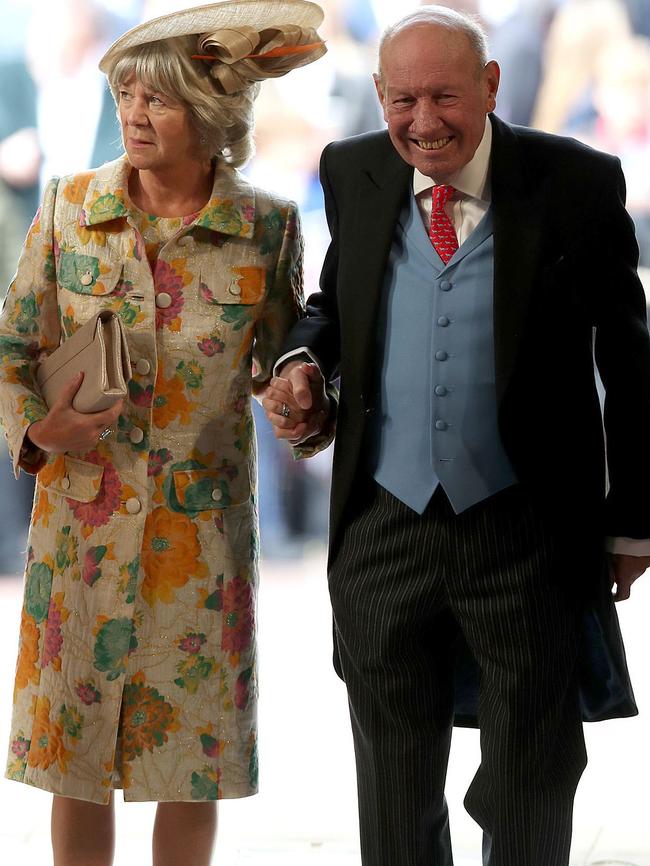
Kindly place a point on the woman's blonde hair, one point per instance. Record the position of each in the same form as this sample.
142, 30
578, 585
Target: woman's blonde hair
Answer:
224, 124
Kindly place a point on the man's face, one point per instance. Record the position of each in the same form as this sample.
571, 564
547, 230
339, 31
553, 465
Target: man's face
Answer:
435, 97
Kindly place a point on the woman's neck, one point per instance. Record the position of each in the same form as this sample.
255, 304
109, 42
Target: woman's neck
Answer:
174, 193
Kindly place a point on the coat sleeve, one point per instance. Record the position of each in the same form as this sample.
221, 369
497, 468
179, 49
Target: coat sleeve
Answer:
284, 304
319, 330
29, 329
622, 352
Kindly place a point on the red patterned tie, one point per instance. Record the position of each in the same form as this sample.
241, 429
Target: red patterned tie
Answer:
441, 231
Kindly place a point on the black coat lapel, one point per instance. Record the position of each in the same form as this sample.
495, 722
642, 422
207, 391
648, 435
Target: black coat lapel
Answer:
382, 188
518, 207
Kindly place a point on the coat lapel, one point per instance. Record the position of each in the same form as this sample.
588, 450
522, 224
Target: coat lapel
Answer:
382, 189
518, 208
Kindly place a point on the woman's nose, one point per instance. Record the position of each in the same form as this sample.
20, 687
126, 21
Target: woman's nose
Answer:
136, 114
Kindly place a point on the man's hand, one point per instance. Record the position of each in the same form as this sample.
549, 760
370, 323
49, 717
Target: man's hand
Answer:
65, 429
624, 570
296, 403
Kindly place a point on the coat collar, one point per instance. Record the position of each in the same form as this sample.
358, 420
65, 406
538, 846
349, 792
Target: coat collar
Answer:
229, 211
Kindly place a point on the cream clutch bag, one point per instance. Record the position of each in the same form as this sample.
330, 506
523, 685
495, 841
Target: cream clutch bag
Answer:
99, 348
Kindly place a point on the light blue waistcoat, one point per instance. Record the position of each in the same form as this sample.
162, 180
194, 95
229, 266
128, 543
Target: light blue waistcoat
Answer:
437, 413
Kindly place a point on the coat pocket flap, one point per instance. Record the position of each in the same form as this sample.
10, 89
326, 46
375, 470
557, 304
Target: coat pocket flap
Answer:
204, 489
73, 478
87, 275
240, 284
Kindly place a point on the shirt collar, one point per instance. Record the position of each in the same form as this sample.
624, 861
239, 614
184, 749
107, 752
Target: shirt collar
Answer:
472, 179
230, 210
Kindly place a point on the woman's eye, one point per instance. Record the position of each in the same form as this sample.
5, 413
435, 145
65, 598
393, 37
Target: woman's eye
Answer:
124, 95
156, 100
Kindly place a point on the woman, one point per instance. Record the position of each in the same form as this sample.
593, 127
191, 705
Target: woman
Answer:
137, 657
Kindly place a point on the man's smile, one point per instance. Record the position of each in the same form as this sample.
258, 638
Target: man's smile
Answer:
433, 145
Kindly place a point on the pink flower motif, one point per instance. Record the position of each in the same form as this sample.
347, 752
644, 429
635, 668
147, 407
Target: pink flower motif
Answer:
19, 747
191, 643
53, 640
157, 460
240, 405
238, 616
166, 279
87, 693
99, 511
248, 212
211, 346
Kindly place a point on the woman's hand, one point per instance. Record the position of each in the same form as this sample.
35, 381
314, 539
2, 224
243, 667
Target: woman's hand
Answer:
65, 429
296, 402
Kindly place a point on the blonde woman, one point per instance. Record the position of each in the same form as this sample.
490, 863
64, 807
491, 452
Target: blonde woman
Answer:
137, 649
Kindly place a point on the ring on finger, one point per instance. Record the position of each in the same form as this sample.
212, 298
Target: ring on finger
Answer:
105, 434
285, 411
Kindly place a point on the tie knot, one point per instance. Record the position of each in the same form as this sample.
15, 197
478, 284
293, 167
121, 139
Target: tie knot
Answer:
441, 195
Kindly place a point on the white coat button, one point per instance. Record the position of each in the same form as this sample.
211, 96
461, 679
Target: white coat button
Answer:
133, 505
65, 483
234, 288
136, 435
143, 366
216, 494
86, 279
163, 300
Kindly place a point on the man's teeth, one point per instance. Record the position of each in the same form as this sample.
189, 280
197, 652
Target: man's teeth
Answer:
434, 145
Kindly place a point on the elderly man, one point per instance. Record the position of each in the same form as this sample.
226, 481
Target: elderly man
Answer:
475, 270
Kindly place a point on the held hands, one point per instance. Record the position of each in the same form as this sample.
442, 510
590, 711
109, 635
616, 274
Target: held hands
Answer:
624, 570
296, 403
65, 429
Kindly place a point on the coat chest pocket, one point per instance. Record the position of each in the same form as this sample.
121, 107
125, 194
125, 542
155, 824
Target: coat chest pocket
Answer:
242, 285
195, 490
73, 478
87, 275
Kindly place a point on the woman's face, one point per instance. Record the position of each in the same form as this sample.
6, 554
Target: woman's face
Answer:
156, 130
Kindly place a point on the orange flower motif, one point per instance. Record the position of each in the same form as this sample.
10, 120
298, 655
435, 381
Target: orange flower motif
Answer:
147, 719
26, 669
42, 509
86, 235
170, 555
53, 471
75, 191
170, 402
47, 740
251, 281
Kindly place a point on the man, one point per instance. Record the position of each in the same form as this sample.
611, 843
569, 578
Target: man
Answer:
468, 514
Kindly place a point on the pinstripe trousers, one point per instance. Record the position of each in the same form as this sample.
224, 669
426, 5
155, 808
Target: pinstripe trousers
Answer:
404, 587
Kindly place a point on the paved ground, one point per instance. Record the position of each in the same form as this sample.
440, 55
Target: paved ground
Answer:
306, 813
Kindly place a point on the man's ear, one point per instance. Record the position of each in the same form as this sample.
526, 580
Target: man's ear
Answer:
492, 75
380, 93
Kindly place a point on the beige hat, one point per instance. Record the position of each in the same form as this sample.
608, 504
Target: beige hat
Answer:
242, 40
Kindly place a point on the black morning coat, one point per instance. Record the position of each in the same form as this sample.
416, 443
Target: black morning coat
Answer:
565, 291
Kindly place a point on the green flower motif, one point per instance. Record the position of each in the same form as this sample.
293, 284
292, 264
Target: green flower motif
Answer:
33, 408
49, 266
106, 207
115, 640
25, 314
67, 550
206, 785
129, 582
72, 266
71, 721
191, 373
237, 315
223, 217
269, 231
38, 590
254, 766
193, 671
128, 312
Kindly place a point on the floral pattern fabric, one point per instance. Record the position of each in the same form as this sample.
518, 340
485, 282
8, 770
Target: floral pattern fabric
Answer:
137, 658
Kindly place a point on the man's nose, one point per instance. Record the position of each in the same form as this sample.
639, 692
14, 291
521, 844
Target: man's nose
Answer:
426, 117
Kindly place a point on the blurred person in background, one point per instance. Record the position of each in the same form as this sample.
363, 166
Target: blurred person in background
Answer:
137, 657
20, 160
475, 268
621, 124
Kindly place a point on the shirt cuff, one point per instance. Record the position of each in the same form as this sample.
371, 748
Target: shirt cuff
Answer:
303, 351
629, 546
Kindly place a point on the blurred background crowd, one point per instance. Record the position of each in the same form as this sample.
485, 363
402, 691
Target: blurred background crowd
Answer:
576, 67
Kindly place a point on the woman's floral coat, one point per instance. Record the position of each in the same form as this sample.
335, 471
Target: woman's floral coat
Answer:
137, 651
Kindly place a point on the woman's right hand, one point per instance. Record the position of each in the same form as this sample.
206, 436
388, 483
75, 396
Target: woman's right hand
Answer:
65, 429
